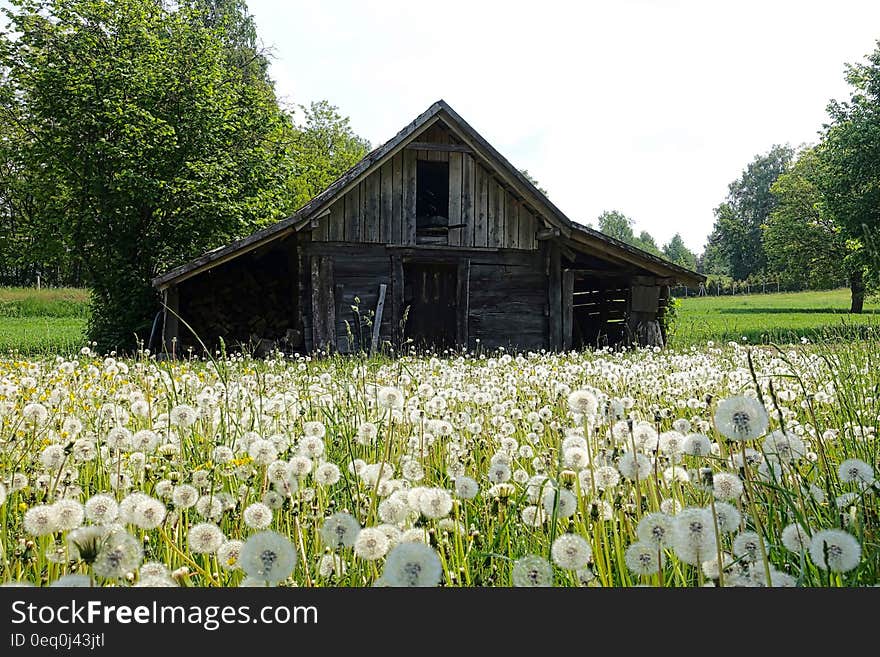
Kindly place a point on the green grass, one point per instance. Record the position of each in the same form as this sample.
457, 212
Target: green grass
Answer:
763, 318
49, 320
47, 302
54, 320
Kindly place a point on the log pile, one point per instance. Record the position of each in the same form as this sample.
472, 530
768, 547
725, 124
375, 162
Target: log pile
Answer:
249, 302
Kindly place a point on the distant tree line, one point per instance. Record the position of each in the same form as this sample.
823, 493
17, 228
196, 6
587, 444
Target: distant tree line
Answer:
797, 218
810, 216
137, 134
617, 225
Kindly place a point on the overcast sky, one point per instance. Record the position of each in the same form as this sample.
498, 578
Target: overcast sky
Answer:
643, 106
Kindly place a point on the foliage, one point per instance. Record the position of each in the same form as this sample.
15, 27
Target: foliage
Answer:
324, 147
851, 156
617, 225
802, 240
676, 251
152, 148
737, 232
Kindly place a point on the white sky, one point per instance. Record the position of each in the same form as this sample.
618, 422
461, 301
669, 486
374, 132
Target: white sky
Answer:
647, 107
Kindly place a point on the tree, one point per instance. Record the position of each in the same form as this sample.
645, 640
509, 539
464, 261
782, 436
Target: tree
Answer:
646, 242
617, 225
851, 188
802, 240
737, 232
676, 251
152, 144
324, 147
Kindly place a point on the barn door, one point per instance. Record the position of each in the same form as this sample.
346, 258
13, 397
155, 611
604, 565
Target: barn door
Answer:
431, 302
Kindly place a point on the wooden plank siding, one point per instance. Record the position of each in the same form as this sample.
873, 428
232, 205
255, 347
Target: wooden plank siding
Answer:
381, 208
501, 295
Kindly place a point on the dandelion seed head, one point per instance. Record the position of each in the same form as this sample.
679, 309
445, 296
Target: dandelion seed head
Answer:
644, 558
412, 564
205, 538
268, 556
340, 530
571, 552
532, 571
741, 418
835, 550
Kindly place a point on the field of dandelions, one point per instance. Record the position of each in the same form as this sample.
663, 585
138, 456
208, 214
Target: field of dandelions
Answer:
719, 466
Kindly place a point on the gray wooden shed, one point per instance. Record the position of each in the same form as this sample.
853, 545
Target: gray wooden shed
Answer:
437, 233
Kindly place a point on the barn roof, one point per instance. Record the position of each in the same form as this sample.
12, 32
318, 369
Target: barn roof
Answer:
572, 234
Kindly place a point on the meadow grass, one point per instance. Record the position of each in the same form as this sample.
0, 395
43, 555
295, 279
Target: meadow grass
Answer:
45, 321
580, 469
765, 318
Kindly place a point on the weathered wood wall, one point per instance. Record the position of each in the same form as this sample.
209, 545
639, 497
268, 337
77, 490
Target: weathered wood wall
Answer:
381, 209
505, 293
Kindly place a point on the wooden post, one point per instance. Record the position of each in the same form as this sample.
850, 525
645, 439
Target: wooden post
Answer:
555, 297
567, 307
377, 320
463, 302
323, 303
396, 300
171, 330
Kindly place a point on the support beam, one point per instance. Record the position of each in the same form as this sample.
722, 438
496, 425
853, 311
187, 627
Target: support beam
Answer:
377, 320
444, 148
567, 308
463, 302
546, 234
323, 304
554, 297
397, 328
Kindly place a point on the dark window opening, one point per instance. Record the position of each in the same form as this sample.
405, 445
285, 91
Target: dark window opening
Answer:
432, 196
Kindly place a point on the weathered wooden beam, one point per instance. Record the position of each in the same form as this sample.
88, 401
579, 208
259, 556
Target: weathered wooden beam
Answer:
396, 300
447, 148
567, 308
463, 302
323, 303
377, 319
554, 294
546, 234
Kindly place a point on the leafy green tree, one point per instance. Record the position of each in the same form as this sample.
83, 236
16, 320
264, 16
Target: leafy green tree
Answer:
152, 144
617, 225
801, 238
646, 242
737, 232
676, 251
851, 188
324, 147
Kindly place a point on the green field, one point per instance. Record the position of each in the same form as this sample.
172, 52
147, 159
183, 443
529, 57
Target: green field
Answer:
54, 320
42, 321
761, 318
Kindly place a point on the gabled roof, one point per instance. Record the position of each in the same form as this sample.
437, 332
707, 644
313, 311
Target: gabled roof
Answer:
576, 235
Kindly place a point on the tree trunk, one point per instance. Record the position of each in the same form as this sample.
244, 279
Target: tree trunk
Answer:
857, 286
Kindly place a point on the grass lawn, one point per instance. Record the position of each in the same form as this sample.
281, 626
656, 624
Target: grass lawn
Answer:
54, 320
49, 320
762, 318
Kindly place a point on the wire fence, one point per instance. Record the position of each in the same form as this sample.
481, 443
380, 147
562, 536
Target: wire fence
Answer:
717, 288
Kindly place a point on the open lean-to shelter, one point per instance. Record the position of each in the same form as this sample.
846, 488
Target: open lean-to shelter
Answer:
432, 239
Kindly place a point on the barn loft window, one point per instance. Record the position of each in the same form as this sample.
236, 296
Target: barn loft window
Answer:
432, 195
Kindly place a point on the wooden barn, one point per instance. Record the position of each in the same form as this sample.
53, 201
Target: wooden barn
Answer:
433, 239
